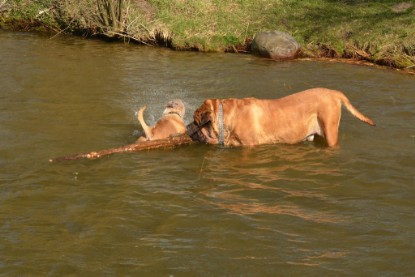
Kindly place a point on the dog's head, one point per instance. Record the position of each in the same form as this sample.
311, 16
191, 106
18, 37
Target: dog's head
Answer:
203, 127
175, 106
204, 114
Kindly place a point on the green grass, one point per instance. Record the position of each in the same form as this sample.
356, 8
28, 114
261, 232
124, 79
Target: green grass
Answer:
353, 29
377, 31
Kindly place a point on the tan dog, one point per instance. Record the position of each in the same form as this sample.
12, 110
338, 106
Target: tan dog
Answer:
171, 123
291, 119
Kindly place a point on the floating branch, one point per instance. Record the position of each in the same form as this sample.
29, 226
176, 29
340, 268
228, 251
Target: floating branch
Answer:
170, 142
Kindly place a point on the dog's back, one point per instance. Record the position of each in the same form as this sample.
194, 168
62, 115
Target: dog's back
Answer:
170, 124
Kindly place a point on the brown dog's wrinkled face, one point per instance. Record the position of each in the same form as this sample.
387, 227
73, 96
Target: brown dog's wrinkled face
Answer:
203, 128
203, 115
175, 106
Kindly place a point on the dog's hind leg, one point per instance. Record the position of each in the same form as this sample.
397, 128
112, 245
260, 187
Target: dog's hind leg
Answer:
331, 128
146, 128
332, 135
329, 121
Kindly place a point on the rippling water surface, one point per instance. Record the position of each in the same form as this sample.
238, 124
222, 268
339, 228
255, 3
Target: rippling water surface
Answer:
197, 210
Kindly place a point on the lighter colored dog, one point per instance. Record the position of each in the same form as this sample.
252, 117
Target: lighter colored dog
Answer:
291, 119
171, 123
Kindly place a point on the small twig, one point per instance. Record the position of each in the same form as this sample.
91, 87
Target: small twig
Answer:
201, 168
62, 30
111, 34
41, 12
360, 52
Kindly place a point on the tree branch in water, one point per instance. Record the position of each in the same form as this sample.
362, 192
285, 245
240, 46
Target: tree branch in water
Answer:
170, 142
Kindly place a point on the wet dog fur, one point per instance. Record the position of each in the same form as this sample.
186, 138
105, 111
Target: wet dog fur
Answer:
171, 123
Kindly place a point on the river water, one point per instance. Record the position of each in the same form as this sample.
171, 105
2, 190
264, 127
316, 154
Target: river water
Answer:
198, 210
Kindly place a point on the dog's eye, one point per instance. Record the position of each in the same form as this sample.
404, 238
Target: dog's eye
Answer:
206, 118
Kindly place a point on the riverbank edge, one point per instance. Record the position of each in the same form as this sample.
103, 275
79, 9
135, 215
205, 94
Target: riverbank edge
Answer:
319, 52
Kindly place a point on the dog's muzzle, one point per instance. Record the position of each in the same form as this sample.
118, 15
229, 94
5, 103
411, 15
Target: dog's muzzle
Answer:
195, 132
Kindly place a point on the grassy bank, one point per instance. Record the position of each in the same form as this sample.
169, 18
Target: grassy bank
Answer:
381, 32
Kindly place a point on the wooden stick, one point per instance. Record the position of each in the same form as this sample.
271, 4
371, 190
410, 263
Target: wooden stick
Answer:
170, 142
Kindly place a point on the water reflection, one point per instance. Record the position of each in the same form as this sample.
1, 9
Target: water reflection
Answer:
280, 180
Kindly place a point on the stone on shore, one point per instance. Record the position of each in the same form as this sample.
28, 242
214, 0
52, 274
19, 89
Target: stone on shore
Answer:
275, 45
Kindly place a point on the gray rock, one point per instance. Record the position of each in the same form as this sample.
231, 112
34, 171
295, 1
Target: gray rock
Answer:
275, 45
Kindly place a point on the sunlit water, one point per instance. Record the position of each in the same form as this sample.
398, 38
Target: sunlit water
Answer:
198, 210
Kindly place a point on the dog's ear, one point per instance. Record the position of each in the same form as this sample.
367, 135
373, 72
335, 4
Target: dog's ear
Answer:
204, 114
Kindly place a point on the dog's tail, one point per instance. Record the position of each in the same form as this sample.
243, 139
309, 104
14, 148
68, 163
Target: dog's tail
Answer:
345, 101
146, 129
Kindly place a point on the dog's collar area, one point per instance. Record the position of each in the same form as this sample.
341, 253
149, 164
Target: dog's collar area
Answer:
220, 124
176, 113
